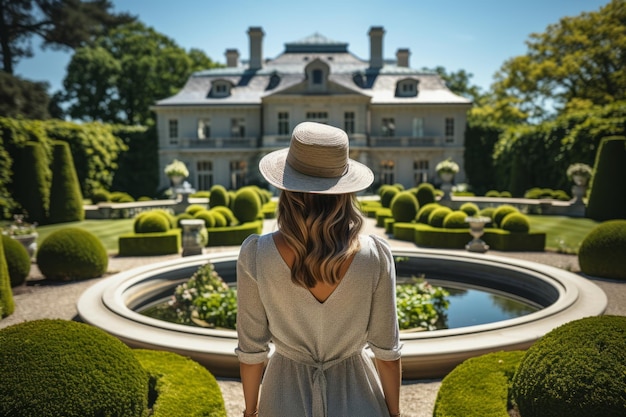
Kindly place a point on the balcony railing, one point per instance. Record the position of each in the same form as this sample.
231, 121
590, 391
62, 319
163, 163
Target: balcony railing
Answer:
407, 141
219, 143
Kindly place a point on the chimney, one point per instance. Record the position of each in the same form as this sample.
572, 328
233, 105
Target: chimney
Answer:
376, 46
256, 47
232, 58
402, 57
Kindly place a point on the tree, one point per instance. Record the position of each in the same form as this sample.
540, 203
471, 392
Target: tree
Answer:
118, 77
20, 97
582, 57
60, 23
459, 83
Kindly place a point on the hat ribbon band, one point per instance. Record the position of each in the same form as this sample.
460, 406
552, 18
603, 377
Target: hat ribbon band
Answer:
316, 170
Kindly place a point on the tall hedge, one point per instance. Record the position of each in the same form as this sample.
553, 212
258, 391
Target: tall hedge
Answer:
138, 168
7, 305
32, 181
66, 200
480, 138
607, 192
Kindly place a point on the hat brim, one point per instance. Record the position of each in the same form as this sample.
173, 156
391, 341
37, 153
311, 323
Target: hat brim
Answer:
280, 174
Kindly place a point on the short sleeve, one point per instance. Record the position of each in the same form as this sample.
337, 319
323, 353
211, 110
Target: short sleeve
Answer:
252, 326
383, 332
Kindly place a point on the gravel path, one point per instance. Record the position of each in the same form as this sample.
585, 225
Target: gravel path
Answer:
39, 299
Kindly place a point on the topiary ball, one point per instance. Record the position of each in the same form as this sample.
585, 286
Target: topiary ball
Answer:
100, 196
227, 213
54, 368
500, 213
18, 260
575, 370
424, 212
471, 209
404, 207
194, 208
438, 215
487, 212
152, 222
425, 193
601, 252
220, 219
492, 193
515, 223
207, 216
247, 205
219, 196
456, 220
72, 253
387, 195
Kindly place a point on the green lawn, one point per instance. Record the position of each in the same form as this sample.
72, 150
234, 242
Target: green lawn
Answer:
106, 230
564, 234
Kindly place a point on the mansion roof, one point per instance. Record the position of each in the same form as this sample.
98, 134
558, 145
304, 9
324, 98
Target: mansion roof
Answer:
347, 74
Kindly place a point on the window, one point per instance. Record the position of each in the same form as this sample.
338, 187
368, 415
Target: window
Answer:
220, 88
317, 76
406, 88
204, 129
237, 127
449, 129
418, 127
348, 122
387, 169
317, 116
238, 171
283, 123
388, 127
420, 171
173, 131
205, 175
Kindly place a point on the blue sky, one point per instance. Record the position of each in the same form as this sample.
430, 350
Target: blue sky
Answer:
477, 35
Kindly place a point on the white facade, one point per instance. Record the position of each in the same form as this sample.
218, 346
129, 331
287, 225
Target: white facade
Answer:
401, 122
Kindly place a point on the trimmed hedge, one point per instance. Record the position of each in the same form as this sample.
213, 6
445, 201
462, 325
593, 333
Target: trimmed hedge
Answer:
516, 223
66, 199
387, 195
151, 222
501, 212
478, 387
7, 304
438, 215
31, 181
575, 370
54, 368
602, 251
425, 194
233, 235
404, 207
182, 387
424, 212
381, 215
150, 244
456, 220
72, 253
219, 196
246, 205
18, 260
607, 190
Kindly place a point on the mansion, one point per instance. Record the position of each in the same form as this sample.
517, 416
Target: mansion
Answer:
400, 121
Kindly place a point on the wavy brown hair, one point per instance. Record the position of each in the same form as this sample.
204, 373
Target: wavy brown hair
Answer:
323, 232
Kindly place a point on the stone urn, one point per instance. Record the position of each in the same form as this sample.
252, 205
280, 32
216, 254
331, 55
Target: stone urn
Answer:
446, 187
29, 241
176, 180
477, 229
579, 188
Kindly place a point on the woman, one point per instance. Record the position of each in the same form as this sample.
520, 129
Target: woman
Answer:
319, 291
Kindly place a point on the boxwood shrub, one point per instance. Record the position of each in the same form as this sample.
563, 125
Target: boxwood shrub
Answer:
150, 244
404, 207
228, 214
575, 370
54, 368
456, 220
72, 253
471, 209
180, 386
151, 222
233, 235
425, 193
387, 195
478, 387
207, 216
18, 260
7, 304
247, 205
381, 215
516, 223
501, 212
219, 196
602, 251
437, 216
424, 212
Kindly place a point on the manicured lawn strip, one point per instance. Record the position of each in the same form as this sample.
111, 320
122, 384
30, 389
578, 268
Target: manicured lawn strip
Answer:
107, 231
564, 234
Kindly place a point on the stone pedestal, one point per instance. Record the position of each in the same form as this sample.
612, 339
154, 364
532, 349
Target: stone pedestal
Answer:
477, 229
194, 236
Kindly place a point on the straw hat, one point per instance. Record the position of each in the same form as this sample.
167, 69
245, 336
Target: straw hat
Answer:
316, 161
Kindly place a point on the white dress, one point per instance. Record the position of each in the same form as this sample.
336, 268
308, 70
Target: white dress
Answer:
320, 366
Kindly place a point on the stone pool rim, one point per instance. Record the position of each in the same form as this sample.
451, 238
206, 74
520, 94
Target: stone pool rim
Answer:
424, 354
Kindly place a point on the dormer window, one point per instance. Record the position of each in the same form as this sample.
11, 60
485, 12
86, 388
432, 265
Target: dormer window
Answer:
220, 88
407, 88
317, 75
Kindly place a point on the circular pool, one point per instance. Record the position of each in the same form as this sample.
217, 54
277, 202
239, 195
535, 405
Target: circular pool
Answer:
113, 303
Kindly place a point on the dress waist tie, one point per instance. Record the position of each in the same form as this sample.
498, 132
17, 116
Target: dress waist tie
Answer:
319, 388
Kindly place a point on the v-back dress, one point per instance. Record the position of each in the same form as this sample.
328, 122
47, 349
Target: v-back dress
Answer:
320, 366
